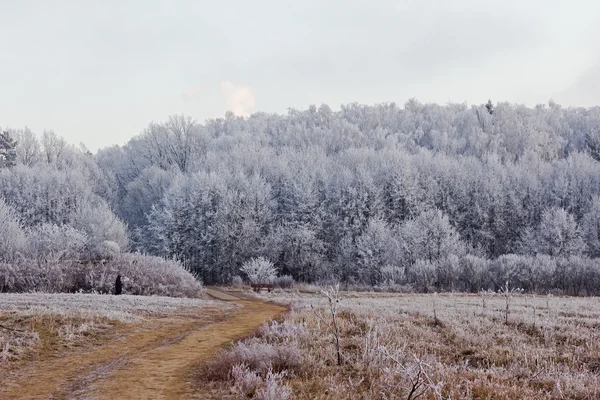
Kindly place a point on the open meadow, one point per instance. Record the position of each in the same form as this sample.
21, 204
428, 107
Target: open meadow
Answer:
408, 346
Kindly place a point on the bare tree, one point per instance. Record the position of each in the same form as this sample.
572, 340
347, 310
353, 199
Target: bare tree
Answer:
332, 294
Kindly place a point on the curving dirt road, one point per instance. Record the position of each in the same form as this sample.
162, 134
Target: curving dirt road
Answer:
144, 364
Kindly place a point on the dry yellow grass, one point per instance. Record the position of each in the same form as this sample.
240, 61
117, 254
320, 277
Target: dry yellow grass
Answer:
449, 346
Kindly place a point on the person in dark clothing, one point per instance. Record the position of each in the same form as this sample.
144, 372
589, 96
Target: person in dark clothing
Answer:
118, 285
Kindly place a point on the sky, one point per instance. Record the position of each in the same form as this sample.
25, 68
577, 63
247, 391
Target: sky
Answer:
100, 72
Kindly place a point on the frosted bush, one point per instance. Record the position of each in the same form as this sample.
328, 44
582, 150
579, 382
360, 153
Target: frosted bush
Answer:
286, 330
13, 344
284, 282
142, 275
52, 243
472, 273
237, 281
258, 356
245, 381
422, 274
248, 384
107, 250
259, 270
274, 389
392, 275
148, 275
101, 225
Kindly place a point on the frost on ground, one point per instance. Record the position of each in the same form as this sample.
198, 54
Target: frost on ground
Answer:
34, 320
431, 346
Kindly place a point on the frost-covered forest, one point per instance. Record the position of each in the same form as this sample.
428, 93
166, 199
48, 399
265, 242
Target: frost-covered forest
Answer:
432, 197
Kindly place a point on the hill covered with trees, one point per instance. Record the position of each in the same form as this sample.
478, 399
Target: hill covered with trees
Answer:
437, 197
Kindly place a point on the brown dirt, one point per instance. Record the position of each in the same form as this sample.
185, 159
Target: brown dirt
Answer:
152, 361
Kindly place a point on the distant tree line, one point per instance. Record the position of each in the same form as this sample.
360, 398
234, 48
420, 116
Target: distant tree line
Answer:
437, 197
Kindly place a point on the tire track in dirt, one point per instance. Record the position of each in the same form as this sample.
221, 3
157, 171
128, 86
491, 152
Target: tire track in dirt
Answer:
152, 364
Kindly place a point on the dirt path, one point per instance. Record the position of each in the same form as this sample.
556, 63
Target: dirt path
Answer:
148, 364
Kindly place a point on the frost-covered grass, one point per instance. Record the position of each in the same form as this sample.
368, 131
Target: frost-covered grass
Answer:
448, 346
41, 320
124, 308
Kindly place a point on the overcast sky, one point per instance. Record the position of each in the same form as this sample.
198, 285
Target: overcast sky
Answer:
99, 72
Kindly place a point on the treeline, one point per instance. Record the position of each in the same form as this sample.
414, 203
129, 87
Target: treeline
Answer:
58, 233
416, 195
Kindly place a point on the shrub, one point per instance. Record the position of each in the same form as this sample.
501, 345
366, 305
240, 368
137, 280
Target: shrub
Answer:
274, 389
237, 281
248, 384
106, 250
259, 270
284, 282
143, 275
149, 275
245, 381
258, 356
52, 243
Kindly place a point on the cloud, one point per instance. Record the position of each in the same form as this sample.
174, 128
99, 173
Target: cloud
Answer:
192, 93
238, 99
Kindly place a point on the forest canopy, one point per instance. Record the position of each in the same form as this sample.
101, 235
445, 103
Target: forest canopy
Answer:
443, 197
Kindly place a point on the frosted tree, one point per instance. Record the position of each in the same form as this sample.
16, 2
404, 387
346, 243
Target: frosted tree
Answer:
297, 250
53, 243
431, 237
54, 148
259, 270
29, 150
591, 228
592, 140
329, 193
557, 235
473, 273
140, 195
376, 248
12, 239
46, 194
175, 143
105, 232
8, 150
403, 196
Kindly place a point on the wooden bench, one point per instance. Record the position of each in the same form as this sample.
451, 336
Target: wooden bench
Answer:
257, 286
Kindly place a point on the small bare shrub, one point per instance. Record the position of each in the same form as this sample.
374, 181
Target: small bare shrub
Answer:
508, 294
333, 299
409, 374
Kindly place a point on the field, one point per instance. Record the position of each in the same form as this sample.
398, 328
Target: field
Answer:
428, 346
30, 320
378, 346
79, 346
